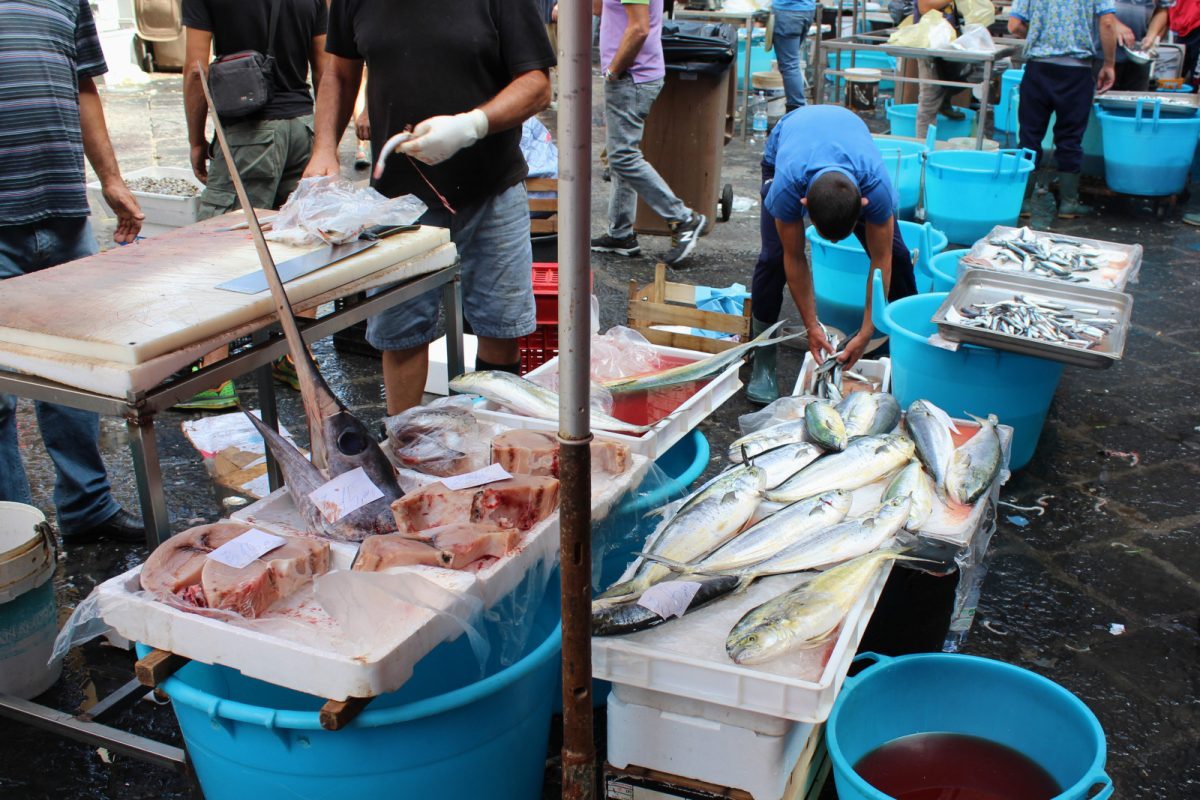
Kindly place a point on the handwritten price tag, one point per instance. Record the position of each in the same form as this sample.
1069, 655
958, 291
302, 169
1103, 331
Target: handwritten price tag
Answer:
669, 599
469, 480
247, 548
344, 494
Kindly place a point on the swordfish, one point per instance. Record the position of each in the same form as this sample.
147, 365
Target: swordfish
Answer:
341, 443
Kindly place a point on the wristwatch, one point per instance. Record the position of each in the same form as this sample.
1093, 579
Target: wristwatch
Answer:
609, 75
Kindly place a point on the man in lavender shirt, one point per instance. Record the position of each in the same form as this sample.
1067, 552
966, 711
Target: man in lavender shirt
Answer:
632, 56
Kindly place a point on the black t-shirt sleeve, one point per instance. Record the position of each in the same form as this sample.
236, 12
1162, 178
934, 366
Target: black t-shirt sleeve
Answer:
339, 38
195, 15
524, 43
320, 18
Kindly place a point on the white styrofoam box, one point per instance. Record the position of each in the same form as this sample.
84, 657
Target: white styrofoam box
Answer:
703, 749
313, 655
689, 707
163, 212
686, 657
437, 381
665, 433
877, 369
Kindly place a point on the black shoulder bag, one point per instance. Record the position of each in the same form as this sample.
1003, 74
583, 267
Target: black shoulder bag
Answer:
243, 83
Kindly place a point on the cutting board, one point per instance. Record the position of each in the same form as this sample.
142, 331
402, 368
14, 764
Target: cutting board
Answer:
134, 303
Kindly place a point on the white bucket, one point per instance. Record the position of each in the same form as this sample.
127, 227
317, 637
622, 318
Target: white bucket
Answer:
968, 143
28, 614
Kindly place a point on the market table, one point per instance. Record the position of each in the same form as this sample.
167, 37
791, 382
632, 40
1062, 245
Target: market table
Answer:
150, 309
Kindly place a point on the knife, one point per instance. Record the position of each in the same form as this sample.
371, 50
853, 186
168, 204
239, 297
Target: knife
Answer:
255, 282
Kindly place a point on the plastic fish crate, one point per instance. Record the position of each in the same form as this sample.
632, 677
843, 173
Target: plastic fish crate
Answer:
545, 292
877, 369
163, 212
539, 347
665, 433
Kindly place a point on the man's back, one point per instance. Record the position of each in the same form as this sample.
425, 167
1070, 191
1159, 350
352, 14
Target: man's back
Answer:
238, 25
1060, 29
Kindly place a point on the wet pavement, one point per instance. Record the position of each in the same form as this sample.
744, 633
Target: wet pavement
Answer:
1117, 472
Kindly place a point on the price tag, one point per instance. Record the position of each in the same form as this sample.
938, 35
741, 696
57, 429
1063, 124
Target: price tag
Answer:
247, 548
937, 340
469, 480
344, 494
669, 599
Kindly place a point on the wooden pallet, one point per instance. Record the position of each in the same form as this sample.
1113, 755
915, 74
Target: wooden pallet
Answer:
664, 302
542, 205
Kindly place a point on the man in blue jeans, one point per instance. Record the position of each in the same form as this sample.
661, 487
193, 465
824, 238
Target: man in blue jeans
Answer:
50, 118
792, 21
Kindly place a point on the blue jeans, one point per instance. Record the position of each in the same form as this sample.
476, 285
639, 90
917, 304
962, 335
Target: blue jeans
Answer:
790, 29
496, 257
82, 495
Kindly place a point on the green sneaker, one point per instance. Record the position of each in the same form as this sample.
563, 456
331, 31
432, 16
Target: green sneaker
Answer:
284, 371
219, 399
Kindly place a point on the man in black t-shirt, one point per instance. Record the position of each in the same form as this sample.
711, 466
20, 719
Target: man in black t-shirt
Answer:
465, 74
271, 148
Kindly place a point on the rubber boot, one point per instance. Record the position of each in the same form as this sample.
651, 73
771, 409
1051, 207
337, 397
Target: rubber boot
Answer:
1069, 206
1041, 180
764, 385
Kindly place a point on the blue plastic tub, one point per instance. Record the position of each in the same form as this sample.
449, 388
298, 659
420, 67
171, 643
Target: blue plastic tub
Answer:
1146, 152
953, 693
943, 268
972, 380
445, 733
902, 159
969, 192
839, 271
1005, 115
903, 119
760, 59
863, 59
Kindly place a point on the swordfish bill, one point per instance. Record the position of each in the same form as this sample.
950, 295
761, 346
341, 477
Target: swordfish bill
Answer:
340, 442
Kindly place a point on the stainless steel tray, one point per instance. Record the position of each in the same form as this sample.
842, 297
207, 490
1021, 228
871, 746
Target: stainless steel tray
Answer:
989, 286
1171, 102
1126, 275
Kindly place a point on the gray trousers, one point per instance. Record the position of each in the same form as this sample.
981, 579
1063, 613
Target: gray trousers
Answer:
929, 97
626, 106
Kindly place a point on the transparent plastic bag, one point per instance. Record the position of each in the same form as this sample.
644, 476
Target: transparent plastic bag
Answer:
442, 438
975, 38
621, 352
335, 211
785, 409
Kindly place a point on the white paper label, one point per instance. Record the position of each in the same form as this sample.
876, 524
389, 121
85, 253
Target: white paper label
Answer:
937, 340
469, 480
347, 492
669, 599
247, 548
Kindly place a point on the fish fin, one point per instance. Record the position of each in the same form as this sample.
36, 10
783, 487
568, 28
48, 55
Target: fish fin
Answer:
669, 563
744, 584
625, 590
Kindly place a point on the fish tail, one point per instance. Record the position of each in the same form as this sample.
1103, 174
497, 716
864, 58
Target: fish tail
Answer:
623, 590
744, 584
671, 564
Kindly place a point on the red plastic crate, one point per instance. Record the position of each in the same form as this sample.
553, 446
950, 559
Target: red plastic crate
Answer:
539, 347
545, 292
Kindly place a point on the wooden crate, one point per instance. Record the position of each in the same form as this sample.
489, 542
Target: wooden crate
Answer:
667, 303
542, 225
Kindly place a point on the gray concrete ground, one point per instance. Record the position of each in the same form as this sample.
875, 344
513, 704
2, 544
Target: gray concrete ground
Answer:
1117, 544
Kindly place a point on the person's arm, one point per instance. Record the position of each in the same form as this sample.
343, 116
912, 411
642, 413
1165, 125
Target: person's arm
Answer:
799, 281
1157, 26
1108, 42
637, 30
362, 119
438, 138
335, 104
316, 61
597, 7
1124, 34
98, 149
879, 244
1017, 27
925, 6
197, 49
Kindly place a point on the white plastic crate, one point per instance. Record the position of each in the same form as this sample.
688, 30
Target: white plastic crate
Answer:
163, 212
705, 750
878, 369
665, 433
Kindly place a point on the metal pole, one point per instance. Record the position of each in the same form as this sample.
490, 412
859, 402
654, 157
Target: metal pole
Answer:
574, 364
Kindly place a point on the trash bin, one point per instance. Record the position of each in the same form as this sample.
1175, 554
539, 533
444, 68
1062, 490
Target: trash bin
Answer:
692, 118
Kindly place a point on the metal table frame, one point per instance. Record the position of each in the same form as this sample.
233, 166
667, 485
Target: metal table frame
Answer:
139, 408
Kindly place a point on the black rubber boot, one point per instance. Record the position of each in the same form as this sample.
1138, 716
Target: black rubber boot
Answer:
1069, 206
764, 385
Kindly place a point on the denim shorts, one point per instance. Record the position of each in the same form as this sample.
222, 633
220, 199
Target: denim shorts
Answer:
496, 256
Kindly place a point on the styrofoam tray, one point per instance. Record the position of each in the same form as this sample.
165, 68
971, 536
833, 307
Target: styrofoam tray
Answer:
686, 657
665, 433
309, 652
163, 211
877, 369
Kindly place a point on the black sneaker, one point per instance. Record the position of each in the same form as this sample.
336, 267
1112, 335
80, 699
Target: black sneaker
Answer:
684, 236
623, 247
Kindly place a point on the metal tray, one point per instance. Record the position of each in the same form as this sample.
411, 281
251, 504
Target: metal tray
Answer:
1127, 275
1172, 102
989, 286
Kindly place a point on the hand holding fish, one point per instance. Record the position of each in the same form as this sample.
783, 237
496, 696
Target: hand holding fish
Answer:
438, 138
819, 344
854, 348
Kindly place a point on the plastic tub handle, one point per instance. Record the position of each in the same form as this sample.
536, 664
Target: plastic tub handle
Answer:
878, 658
931, 137
878, 303
1100, 779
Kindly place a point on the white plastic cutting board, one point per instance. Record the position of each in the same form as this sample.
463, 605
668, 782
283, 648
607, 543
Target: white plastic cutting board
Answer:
134, 303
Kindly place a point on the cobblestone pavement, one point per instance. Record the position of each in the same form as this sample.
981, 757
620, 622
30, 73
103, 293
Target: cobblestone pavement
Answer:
1118, 468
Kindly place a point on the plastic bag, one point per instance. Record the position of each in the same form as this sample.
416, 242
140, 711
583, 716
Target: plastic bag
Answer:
442, 438
932, 32
977, 12
730, 300
541, 154
975, 39
335, 211
785, 409
621, 352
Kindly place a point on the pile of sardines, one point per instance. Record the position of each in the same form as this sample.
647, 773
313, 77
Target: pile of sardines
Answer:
1044, 320
1043, 254
783, 508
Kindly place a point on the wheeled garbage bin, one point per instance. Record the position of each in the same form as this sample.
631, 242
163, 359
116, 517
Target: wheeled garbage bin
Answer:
692, 120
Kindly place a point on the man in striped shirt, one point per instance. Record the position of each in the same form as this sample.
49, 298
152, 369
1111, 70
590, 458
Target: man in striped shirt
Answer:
50, 119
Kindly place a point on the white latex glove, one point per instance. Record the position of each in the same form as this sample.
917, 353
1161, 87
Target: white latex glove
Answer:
437, 138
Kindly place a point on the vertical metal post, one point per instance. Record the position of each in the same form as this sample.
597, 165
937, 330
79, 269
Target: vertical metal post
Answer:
267, 408
984, 101
143, 447
452, 310
574, 365
818, 61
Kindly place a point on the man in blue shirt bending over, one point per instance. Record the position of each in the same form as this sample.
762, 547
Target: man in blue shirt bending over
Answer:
820, 162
